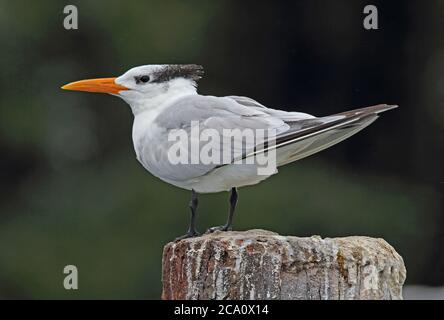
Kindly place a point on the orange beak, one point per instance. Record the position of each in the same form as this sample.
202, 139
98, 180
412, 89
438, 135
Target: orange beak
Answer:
102, 85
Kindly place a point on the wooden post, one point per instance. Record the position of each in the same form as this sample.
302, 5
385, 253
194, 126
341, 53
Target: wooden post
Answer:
258, 264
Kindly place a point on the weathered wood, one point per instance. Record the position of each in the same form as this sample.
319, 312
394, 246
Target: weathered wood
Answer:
260, 264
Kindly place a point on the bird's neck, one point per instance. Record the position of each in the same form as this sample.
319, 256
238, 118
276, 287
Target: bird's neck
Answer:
173, 91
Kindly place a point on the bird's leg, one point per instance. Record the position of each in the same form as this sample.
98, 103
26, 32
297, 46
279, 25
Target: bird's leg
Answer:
233, 202
192, 232
229, 225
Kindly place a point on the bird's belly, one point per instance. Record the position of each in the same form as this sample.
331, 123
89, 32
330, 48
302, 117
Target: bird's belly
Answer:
225, 178
217, 180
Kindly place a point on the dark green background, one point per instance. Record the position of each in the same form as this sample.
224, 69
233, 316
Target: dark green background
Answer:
72, 191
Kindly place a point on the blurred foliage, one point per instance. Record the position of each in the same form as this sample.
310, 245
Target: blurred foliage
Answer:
72, 191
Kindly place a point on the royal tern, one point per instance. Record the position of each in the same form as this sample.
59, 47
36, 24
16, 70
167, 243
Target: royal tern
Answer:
165, 103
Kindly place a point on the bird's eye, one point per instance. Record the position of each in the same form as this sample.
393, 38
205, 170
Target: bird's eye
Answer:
143, 79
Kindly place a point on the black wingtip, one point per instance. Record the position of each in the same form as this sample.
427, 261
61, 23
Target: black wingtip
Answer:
387, 107
379, 108
369, 110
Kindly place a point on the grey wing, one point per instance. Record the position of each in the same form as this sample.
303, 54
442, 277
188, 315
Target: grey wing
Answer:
310, 136
283, 115
297, 135
197, 113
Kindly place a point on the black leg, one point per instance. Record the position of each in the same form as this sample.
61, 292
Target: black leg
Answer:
192, 232
193, 208
229, 225
233, 202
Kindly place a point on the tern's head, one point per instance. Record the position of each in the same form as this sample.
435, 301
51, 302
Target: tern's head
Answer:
143, 83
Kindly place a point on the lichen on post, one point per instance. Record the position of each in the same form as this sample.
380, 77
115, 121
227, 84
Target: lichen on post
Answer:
258, 264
